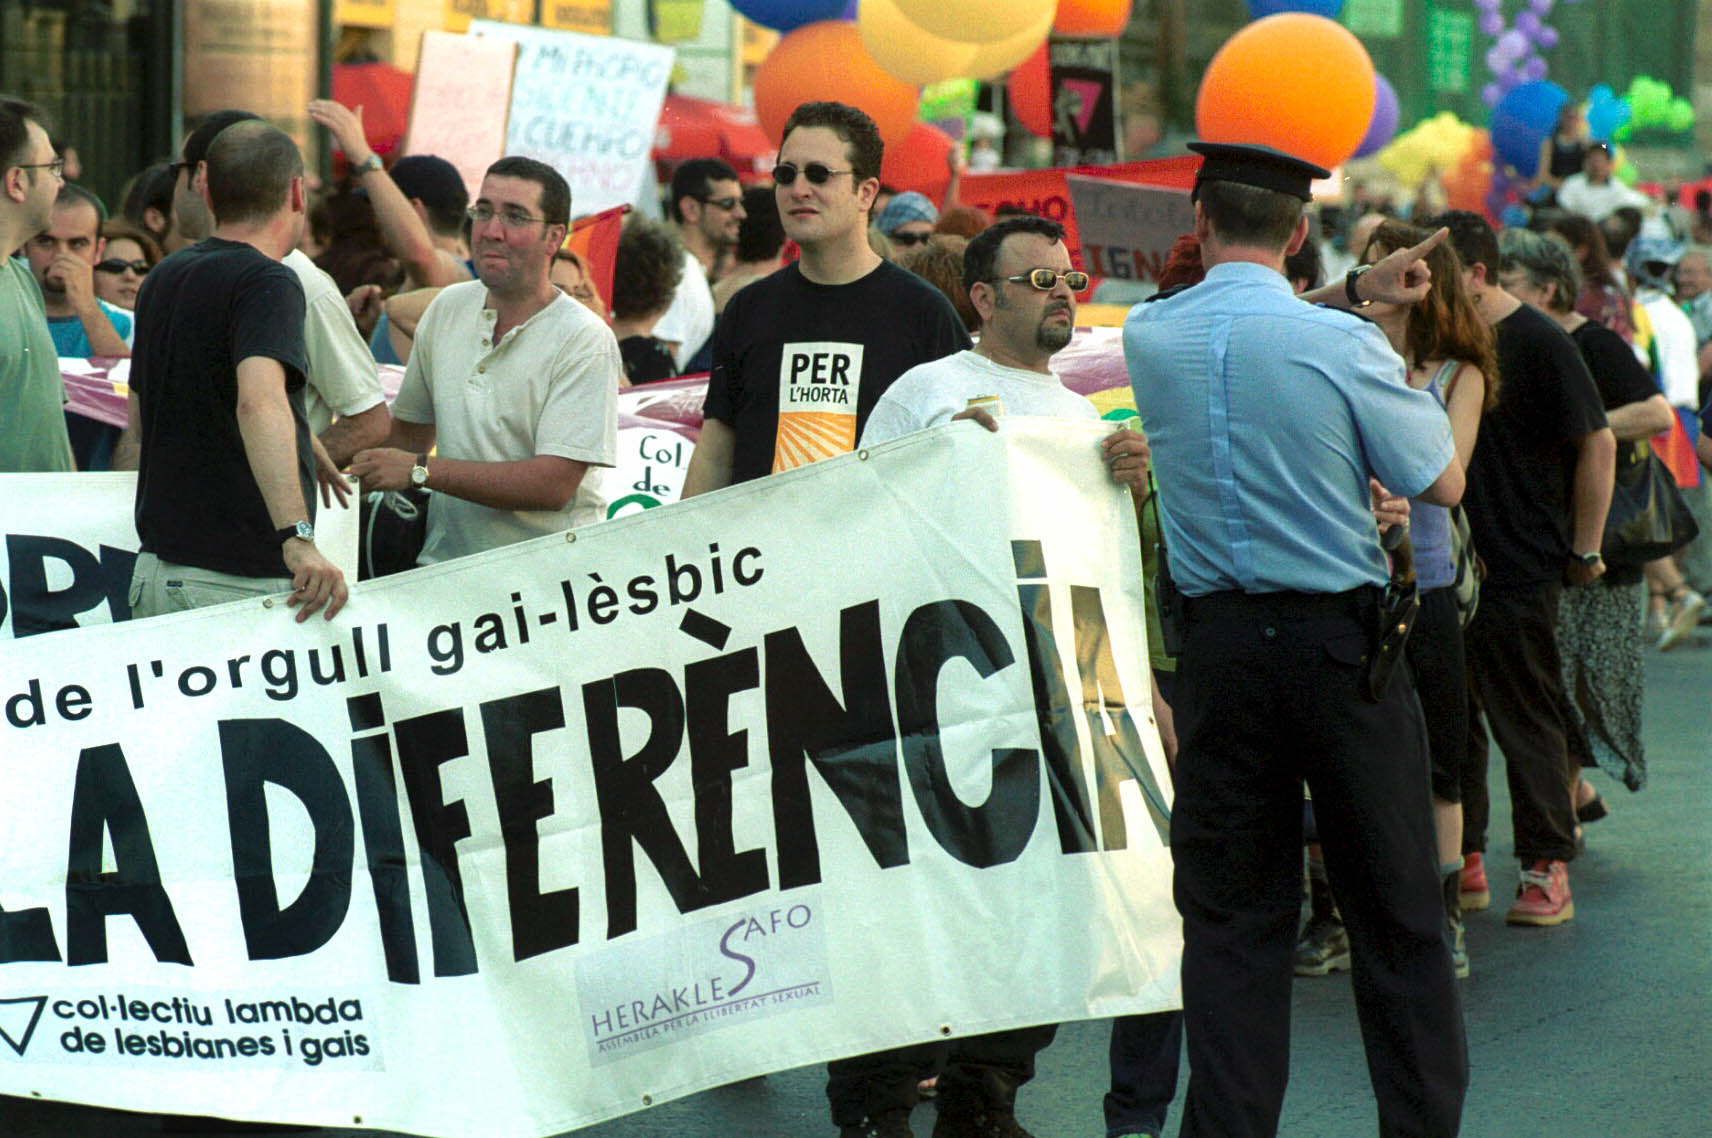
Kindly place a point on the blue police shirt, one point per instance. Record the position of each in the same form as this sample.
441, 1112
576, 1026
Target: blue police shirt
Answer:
1266, 416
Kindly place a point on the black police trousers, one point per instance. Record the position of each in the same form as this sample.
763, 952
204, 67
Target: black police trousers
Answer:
981, 1072
1267, 697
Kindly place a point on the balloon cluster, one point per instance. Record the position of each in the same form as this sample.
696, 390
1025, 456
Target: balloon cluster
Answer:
1516, 55
1653, 106
876, 54
1432, 147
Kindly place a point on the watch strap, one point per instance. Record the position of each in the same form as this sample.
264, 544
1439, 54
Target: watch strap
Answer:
1349, 280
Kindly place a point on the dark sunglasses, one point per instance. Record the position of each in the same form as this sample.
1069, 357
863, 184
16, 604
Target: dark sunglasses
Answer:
726, 204
908, 239
817, 173
1046, 279
119, 265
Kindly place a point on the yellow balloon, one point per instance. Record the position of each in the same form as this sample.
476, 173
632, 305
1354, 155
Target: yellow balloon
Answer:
905, 50
995, 59
974, 21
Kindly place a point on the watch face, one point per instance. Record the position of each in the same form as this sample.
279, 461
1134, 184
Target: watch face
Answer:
419, 476
305, 531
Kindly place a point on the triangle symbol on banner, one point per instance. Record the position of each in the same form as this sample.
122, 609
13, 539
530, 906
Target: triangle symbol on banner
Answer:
18, 1019
1089, 91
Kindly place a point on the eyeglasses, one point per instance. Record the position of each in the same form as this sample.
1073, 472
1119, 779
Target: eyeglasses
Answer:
908, 239
817, 173
1045, 280
510, 217
57, 166
119, 265
726, 204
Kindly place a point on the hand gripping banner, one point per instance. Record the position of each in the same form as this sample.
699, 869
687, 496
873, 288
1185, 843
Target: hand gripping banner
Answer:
851, 757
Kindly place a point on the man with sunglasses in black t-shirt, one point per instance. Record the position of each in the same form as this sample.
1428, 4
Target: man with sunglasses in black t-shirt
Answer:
800, 357
799, 360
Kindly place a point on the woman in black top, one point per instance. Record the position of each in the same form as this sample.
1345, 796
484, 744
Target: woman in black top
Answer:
1561, 152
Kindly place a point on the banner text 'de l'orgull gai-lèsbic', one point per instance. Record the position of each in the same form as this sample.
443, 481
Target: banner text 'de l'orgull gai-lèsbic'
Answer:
853, 756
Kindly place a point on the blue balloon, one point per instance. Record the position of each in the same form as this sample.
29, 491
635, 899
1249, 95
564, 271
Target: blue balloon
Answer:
1330, 9
1606, 113
1522, 120
788, 15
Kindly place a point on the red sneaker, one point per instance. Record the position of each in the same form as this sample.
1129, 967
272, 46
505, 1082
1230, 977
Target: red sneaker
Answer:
1476, 893
1542, 897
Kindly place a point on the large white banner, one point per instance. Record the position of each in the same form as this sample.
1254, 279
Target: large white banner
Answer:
587, 106
69, 541
851, 757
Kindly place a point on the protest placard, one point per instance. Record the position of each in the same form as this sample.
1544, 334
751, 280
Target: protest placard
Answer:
848, 758
69, 542
1127, 230
462, 97
587, 106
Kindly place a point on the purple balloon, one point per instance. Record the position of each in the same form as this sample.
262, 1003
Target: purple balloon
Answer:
1536, 68
1528, 23
1514, 44
1543, 7
1547, 39
1382, 128
1487, 5
1491, 94
1491, 24
1495, 61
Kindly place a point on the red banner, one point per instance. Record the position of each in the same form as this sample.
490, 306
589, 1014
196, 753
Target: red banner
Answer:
1047, 192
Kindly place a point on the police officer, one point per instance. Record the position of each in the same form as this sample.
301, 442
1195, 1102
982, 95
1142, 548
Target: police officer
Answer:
1268, 417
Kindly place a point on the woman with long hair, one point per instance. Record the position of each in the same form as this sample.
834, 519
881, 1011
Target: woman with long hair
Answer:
1452, 352
1600, 633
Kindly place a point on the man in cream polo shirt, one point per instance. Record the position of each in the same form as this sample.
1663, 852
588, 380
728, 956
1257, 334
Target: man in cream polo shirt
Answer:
516, 382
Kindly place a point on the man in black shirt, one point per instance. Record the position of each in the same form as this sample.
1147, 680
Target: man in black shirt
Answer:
1539, 486
800, 357
227, 466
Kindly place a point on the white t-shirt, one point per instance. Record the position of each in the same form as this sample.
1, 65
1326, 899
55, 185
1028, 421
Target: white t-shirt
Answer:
550, 386
931, 393
1578, 195
689, 321
342, 377
1678, 349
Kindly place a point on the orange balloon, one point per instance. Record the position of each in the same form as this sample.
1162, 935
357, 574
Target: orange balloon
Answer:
826, 61
1030, 89
1297, 82
922, 162
1093, 19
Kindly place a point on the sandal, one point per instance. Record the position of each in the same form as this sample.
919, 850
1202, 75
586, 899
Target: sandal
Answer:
1591, 810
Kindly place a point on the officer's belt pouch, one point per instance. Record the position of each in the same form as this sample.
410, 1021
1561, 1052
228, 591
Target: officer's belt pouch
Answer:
1394, 619
1169, 603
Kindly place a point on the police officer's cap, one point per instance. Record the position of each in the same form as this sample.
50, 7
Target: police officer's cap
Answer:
1259, 166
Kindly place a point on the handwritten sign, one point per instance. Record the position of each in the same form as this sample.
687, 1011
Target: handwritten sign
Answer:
1127, 230
458, 111
586, 105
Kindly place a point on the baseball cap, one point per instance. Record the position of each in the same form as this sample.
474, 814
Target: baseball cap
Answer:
904, 208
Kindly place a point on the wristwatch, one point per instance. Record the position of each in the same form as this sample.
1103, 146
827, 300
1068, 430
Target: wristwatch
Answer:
301, 529
1590, 559
1349, 280
368, 165
419, 472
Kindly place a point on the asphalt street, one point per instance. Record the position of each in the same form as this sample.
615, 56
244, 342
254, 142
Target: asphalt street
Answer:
1601, 1027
